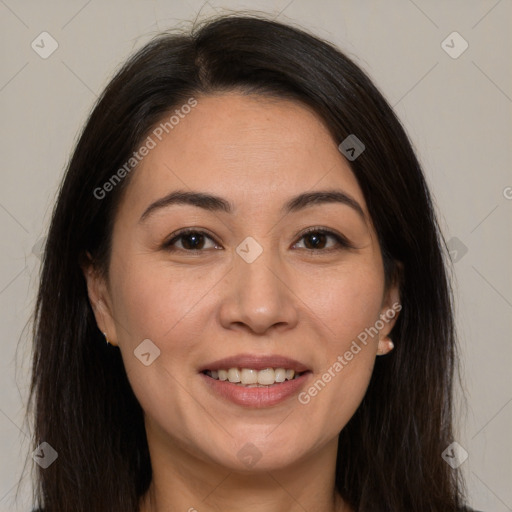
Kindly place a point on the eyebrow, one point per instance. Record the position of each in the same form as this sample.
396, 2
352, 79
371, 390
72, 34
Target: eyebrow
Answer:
215, 203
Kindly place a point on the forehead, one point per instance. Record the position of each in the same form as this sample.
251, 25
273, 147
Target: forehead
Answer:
248, 148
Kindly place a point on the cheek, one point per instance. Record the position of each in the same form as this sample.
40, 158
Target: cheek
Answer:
336, 391
156, 304
348, 305
346, 301
152, 302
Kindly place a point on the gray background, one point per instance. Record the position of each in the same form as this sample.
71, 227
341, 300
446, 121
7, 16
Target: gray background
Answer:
456, 111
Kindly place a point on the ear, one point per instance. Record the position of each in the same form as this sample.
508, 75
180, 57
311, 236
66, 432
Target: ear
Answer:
390, 310
100, 299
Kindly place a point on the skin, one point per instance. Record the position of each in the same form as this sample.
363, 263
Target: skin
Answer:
255, 152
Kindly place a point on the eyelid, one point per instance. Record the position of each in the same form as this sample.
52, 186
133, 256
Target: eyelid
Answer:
185, 231
342, 241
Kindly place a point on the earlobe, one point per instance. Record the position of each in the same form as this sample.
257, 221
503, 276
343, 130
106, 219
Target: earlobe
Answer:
99, 299
385, 346
388, 318
390, 312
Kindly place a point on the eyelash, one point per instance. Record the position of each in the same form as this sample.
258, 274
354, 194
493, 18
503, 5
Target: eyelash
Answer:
343, 243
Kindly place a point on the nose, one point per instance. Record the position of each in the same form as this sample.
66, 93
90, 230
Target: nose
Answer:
258, 296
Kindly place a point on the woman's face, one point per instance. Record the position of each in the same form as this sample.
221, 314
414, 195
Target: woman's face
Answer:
249, 284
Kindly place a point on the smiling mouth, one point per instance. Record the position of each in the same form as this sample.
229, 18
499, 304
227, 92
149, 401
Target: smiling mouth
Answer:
251, 378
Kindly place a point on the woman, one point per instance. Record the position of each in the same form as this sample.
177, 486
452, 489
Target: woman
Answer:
245, 222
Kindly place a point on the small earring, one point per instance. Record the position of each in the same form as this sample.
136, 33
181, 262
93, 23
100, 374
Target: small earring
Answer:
106, 339
390, 346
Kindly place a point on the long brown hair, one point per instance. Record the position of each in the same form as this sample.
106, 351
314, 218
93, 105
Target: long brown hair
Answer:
389, 457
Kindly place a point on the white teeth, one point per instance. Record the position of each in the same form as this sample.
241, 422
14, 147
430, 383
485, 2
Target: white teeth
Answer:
233, 375
280, 374
253, 378
266, 376
290, 374
249, 376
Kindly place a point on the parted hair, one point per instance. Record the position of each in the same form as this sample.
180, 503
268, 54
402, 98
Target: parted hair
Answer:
389, 454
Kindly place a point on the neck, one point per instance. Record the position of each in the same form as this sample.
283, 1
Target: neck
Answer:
182, 482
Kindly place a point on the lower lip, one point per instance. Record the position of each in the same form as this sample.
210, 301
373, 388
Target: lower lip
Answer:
256, 397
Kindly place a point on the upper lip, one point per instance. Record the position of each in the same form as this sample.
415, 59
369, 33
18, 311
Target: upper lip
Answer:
255, 362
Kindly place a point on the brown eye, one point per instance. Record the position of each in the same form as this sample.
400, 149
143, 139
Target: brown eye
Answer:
190, 240
317, 239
